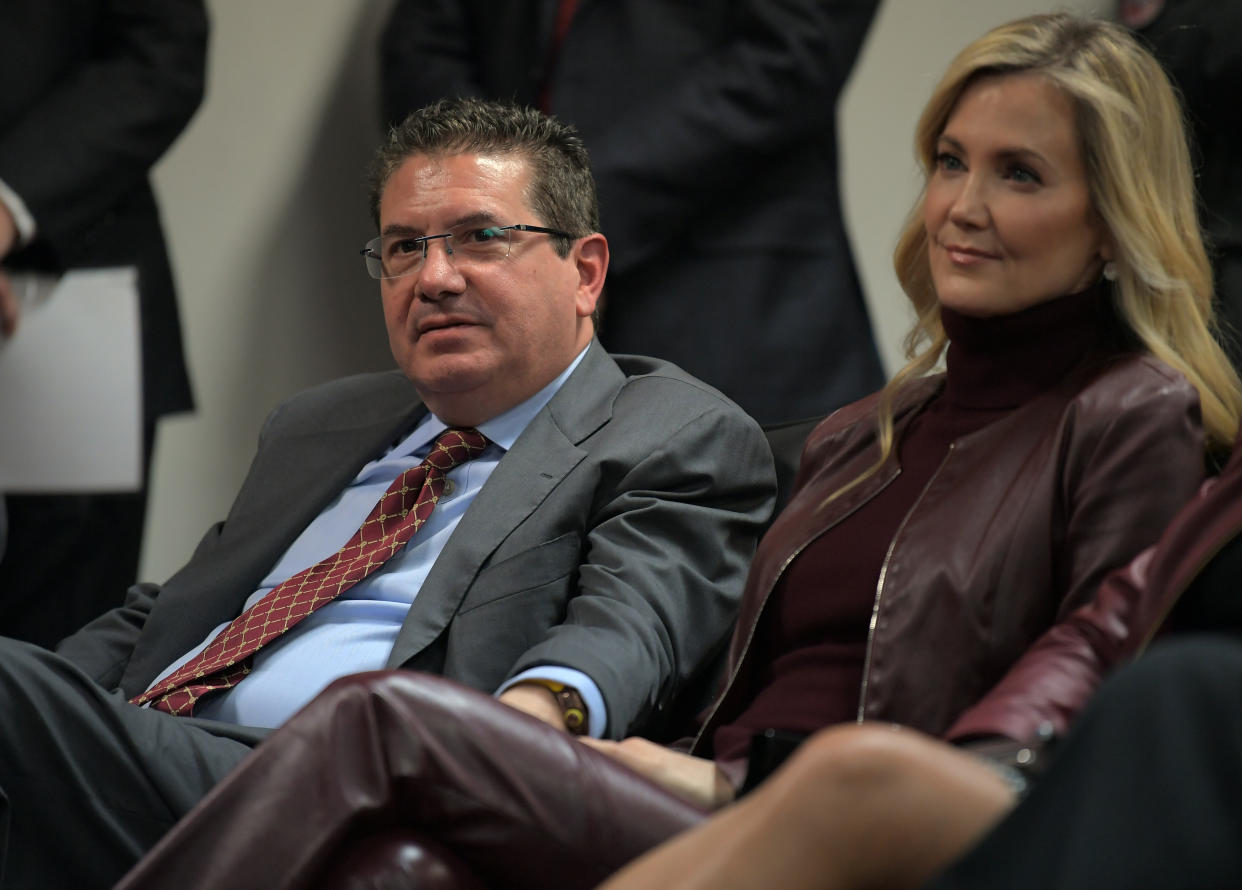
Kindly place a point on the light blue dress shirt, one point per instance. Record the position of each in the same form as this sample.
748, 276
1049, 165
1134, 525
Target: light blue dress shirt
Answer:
356, 631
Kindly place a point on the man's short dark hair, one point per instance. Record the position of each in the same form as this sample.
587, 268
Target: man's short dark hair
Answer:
561, 191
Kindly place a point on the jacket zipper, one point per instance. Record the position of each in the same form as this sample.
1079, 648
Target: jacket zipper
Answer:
879, 587
754, 626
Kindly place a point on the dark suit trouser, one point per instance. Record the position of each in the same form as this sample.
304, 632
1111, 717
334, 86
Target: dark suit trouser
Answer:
1146, 792
69, 559
521, 804
89, 782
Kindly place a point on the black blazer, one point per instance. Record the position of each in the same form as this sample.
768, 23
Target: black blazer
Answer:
94, 93
712, 132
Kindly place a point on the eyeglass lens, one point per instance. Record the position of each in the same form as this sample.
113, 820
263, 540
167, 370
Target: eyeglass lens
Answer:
392, 256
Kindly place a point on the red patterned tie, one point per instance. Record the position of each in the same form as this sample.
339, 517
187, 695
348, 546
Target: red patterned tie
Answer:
393, 521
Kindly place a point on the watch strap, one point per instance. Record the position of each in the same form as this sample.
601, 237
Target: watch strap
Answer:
573, 706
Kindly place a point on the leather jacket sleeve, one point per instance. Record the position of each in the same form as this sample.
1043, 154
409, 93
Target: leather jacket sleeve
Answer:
1123, 486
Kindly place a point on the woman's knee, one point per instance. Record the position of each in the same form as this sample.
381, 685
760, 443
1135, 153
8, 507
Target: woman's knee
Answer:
871, 770
840, 775
855, 756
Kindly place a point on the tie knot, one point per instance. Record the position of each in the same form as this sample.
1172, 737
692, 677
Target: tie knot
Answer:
456, 446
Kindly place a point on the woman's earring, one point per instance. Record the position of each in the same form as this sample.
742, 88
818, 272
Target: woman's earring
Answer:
1110, 271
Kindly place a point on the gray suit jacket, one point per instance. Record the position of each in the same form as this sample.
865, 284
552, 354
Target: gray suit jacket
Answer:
614, 537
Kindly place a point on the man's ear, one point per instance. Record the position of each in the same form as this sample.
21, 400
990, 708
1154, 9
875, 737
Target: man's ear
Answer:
590, 256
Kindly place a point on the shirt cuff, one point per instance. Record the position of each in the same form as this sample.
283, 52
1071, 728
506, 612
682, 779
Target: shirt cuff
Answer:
597, 714
21, 214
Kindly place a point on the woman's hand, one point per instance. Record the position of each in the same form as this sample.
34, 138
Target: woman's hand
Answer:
695, 779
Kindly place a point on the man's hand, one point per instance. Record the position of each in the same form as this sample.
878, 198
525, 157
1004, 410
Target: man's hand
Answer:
9, 309
695, 779
536, 700
8, 300
8, 231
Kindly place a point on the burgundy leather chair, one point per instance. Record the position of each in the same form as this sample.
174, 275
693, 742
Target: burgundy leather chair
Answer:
398, 860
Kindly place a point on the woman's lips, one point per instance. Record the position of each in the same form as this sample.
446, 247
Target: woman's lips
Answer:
963, 255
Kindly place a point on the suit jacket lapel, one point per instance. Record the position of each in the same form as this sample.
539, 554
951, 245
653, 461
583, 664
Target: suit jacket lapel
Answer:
307, 475
288, 485
541, 457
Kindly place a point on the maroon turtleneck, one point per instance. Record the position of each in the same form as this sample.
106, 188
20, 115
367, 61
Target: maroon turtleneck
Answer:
812, 636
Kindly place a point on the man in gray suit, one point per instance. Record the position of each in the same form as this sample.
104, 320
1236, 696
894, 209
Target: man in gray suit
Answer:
575, 538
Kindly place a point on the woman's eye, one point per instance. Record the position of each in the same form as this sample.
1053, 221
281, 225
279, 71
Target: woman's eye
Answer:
946, 161
1023, 175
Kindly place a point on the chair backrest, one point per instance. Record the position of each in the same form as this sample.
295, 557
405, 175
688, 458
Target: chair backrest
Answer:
786, 441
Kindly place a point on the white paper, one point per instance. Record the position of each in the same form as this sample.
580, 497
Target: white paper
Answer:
71, 385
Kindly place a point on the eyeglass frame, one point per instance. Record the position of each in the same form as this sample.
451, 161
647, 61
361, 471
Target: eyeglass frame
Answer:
369, 251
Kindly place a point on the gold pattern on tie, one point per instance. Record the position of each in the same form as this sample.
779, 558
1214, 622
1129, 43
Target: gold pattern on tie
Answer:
393, 521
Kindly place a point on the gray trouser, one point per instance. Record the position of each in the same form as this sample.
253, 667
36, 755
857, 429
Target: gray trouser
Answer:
89, 782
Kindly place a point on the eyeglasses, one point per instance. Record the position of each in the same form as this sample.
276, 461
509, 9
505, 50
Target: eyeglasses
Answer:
392, 256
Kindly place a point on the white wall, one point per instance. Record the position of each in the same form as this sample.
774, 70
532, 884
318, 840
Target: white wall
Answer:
265, 211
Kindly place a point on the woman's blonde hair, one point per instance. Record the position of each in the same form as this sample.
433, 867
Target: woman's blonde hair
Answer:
1132, 137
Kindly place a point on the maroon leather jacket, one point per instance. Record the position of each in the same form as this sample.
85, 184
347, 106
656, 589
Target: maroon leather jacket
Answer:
1151, 585
986, 618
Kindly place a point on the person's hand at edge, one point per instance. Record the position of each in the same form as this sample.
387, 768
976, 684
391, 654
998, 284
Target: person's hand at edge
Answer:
695, 779
9, 309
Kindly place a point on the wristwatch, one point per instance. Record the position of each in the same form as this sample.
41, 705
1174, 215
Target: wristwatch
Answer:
573, 708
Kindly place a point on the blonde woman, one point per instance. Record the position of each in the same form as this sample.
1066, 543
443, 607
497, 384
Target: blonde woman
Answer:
1142, 793
938, 564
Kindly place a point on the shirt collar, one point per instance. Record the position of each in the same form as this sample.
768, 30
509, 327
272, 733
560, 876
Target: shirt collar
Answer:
503, 429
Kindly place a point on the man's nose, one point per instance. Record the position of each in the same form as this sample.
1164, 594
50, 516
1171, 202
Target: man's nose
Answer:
438, 275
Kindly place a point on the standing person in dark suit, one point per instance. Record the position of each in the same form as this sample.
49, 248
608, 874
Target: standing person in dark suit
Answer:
712, 134
95, 92
513, 509
1199, 42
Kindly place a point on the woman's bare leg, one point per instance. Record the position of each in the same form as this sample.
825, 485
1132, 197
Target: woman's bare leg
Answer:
856, 806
